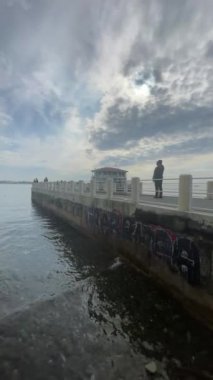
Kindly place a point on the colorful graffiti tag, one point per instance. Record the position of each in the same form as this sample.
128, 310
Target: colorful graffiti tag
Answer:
178, 251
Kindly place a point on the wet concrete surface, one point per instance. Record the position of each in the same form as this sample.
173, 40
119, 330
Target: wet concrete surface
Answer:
70, 309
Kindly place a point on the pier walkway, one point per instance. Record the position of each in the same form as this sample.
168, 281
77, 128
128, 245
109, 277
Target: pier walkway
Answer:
181, 195
198, 204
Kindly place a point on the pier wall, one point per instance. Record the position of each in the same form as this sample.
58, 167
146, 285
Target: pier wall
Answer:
174, 249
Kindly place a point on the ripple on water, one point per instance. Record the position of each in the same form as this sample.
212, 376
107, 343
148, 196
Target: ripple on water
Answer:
79, 294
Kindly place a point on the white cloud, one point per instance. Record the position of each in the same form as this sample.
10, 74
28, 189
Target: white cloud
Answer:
65, 153
137, 56
5, 119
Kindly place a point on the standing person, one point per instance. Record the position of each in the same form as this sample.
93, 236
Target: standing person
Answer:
158, 179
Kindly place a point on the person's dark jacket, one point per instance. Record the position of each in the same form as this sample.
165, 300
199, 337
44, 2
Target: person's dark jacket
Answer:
158, 172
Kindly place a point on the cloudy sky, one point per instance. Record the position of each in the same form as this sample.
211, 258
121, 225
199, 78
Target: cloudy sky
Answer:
90, 83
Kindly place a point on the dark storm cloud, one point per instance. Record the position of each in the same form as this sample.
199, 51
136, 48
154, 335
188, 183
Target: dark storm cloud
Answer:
134, 124
164, 24
52, 50
46, 47
192, 147
170, 48
63, 37
65, 28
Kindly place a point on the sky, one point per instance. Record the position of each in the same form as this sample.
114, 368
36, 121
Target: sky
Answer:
86, 84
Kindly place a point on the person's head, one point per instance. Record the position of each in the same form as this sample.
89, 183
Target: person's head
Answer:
159, 162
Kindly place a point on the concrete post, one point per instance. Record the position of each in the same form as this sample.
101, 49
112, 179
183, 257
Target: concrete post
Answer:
66, 187
185, 192
141, 188
135, 194
63, 186
93, 188
72, 186
60, 187
210, 190
110, 187
81, 187
125, 187
87, 187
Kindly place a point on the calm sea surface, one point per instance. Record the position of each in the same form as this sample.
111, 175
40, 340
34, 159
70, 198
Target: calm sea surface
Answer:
71, 310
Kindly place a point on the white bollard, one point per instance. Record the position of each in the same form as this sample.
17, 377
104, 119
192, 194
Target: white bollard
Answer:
141, 188
126, 188
210, 190
185, 192
57, 187
60, 187
81, 187
135, 194
71, 187
93, 187
110, 187
66, 187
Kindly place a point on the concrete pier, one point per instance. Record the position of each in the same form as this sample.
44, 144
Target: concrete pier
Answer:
172, 244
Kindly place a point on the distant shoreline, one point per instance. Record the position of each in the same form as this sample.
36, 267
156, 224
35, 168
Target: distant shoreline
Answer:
15, 183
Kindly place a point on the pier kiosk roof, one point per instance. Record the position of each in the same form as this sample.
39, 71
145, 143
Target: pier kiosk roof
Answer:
108, 170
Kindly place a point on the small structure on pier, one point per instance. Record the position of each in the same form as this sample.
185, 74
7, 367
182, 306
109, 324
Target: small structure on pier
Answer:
118, 176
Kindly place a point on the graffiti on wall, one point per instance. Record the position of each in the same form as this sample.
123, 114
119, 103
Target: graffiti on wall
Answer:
178, 251
108, 223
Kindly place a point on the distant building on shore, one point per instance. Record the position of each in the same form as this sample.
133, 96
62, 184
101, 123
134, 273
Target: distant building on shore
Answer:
118, 175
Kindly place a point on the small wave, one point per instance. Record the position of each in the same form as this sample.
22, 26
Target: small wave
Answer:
116, 263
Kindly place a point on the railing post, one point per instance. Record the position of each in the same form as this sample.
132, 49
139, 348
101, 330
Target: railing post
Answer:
141, 188
60, 187
126, 187
66, 187
87, 187
71, 187
210, 190
185, 192
81, 187
93, 188
135, 195
63, 186
110, 187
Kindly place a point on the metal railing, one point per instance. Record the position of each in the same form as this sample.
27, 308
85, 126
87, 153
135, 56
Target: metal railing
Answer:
202, 188
184, 193
170, 187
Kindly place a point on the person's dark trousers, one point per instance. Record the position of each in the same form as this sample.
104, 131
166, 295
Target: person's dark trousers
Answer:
158, 188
